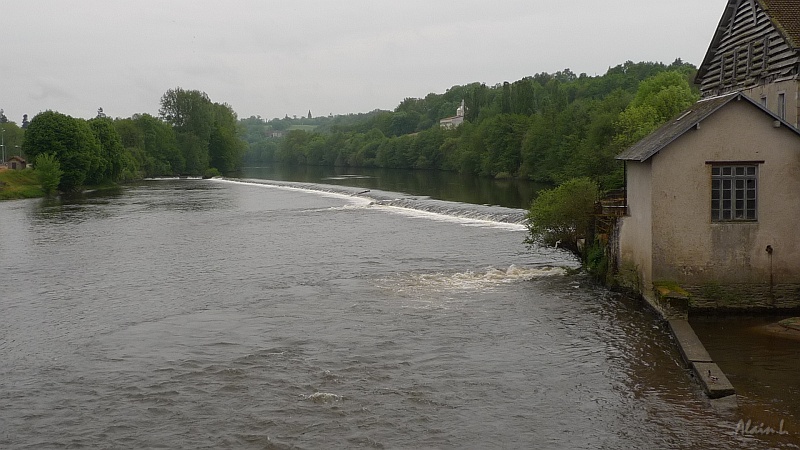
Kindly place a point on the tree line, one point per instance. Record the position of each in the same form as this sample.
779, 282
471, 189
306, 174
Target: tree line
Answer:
548, 128
191, 136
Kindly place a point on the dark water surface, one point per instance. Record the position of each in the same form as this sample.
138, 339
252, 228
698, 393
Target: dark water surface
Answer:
218, 314
436, 184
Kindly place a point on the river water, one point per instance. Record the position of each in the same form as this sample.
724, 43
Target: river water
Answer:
231, 314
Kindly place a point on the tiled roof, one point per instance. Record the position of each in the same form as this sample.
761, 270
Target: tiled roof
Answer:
786, 15
685, 121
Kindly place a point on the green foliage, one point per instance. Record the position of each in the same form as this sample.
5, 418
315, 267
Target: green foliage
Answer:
548, 128
188, 111
48, 172
151, 147
563, 215
111, 166
211, 173
670, 286
12, 138
207, 133
597, 261
657, 100
72, 142
17, 184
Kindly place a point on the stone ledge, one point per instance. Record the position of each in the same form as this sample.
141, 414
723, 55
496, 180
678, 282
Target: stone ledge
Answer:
714, 382
689, 344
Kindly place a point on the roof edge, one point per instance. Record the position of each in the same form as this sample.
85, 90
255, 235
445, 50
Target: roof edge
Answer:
694, 122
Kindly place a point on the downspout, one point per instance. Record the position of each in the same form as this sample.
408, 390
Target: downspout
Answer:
771, 277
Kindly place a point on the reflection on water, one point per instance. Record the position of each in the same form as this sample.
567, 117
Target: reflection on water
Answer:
763, 367
439, 185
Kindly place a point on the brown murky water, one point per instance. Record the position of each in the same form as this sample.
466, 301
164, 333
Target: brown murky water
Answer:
211, 314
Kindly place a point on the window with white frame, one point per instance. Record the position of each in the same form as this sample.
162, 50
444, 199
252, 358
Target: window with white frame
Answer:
734, 192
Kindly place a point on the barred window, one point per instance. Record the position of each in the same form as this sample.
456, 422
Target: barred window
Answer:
734, 193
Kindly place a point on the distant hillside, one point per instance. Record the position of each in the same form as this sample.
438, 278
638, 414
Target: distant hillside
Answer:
546, 127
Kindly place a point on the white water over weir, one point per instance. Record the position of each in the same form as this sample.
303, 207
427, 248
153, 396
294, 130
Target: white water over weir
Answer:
489, 213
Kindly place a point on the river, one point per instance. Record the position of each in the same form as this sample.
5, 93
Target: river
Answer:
266, 314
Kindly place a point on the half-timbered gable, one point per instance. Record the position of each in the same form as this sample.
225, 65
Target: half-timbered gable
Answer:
756, 50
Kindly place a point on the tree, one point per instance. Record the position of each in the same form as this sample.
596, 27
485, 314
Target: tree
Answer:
3, 118
225, 147
71, 142
111, 150
563, 215
502, 138
505, 100
188, 112
48, 171
12, 137
207, 132
658, 99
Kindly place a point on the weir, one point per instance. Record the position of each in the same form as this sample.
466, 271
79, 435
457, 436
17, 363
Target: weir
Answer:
491, 213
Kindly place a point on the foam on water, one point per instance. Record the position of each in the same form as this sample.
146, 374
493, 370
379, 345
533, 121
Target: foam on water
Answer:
326, 193
409, 206
323, 397
445, 217
469, 280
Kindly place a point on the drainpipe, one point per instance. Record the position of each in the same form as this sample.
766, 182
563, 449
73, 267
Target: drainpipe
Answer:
771, 277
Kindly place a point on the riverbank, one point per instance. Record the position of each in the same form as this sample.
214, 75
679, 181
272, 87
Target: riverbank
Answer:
787, 329
19, 184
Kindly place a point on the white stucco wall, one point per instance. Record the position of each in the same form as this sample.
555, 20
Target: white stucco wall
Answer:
636, 232
686, 246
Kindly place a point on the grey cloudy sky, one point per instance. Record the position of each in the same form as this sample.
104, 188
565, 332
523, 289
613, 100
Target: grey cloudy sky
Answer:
272, 58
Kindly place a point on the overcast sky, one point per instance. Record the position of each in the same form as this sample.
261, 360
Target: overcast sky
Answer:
272, 58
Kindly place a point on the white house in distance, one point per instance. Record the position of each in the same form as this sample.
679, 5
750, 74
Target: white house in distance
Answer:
453, 122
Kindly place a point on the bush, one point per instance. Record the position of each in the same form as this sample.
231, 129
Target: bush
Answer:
48, 171
563, 215
211, 173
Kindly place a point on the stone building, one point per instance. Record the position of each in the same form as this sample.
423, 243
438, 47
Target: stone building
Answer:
713, 197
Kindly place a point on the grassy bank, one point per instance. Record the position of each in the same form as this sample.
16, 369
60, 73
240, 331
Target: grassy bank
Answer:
16, 184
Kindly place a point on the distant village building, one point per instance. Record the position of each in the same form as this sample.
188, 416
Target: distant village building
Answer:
16, 163
713, 197
453, 122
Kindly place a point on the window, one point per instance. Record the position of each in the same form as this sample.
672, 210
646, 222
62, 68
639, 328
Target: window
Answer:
764, 101
734, 192
782, 106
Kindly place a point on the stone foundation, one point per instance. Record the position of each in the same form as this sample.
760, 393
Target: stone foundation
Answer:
743, 297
